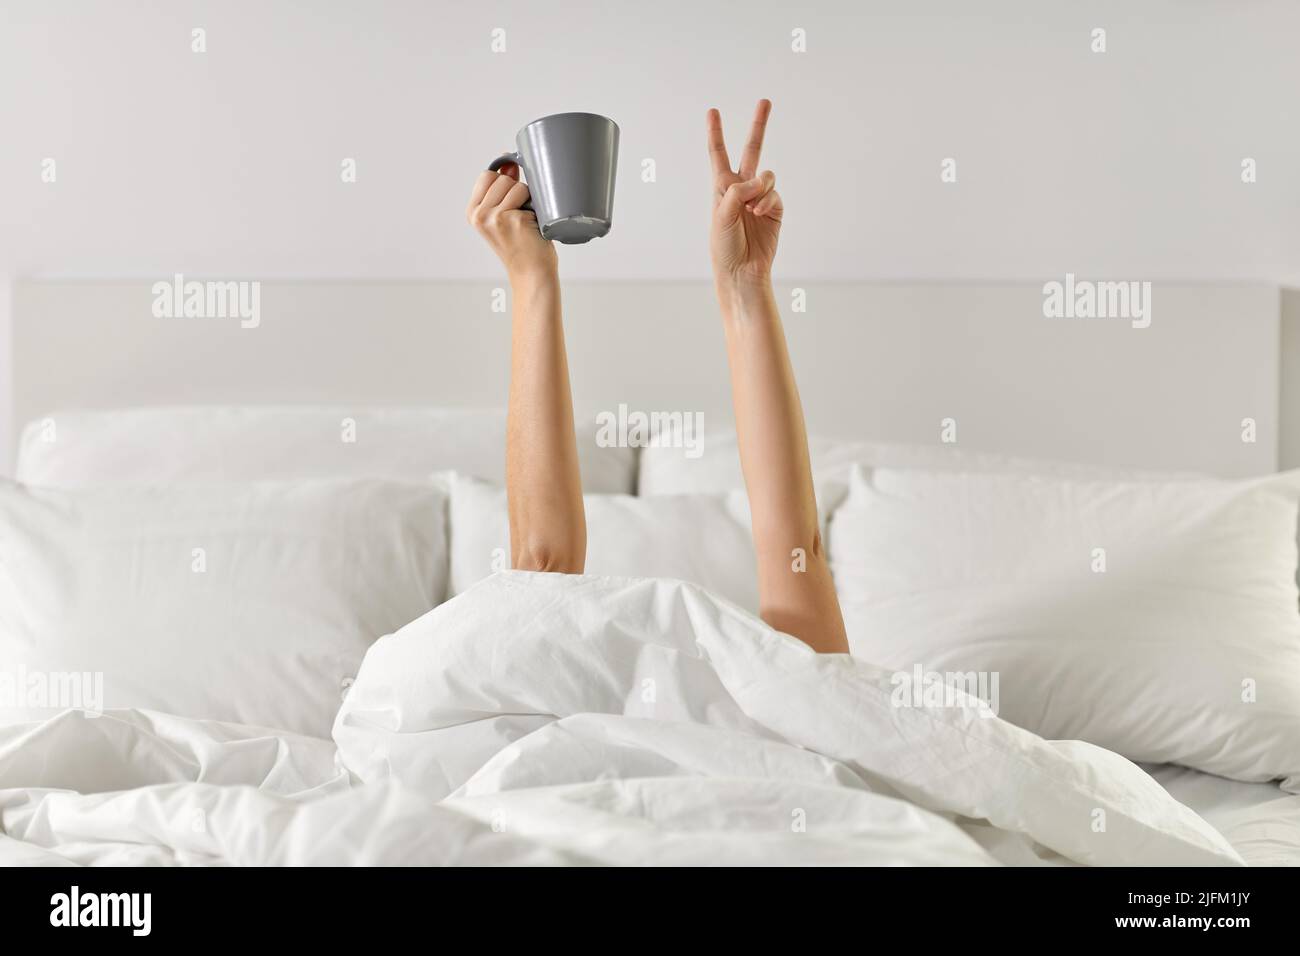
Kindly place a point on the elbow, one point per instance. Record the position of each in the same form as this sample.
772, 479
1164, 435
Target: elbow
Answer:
802, 549
782, 537
565, 557
818, 550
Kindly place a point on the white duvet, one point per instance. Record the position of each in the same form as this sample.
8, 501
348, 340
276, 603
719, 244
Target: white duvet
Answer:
552, 719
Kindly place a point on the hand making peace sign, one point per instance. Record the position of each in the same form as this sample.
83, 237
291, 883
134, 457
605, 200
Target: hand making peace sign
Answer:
747, 209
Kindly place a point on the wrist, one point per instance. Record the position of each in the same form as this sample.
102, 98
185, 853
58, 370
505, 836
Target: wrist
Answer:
533, 279
738, 294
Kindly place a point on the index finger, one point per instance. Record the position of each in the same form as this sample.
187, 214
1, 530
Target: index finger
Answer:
717, 148
749, 158
485, 179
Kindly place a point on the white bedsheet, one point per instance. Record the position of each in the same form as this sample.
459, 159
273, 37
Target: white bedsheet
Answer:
548, 719
1260, 820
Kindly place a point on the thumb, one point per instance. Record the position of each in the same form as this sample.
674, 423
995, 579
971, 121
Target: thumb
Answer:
740, 193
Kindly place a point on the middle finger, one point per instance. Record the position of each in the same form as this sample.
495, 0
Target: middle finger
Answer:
749, 158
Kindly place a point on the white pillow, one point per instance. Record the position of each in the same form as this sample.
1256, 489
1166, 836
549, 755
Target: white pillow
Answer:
251, 603
704, 539
259, 443
665, 470
1140, 616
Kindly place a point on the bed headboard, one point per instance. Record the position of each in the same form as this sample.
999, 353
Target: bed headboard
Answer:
881, 361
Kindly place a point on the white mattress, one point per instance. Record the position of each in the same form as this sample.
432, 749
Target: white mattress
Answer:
1260, 820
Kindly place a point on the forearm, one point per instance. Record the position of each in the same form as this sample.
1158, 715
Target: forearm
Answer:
548, 529
796, 592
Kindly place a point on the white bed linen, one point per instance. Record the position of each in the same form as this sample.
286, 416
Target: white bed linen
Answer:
250, 602
700, 538
664, 469
189, 443
1260, 820
548, 746
1156, 619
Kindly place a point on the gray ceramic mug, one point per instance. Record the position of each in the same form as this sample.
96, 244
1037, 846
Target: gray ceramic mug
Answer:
568, 161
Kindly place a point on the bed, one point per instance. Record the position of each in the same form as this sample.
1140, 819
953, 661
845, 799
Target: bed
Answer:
287, 635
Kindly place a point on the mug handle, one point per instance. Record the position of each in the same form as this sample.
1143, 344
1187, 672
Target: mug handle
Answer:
515, 159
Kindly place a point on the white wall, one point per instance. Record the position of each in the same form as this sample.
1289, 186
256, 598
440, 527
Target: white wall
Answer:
1119, 165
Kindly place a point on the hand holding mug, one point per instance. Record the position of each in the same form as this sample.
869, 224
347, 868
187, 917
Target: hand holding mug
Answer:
496, 211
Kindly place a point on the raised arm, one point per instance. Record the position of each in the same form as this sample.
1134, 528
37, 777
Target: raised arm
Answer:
548, 528
795, 591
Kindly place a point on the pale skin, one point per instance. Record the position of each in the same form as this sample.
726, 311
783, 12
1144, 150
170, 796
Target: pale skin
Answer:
547, 522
